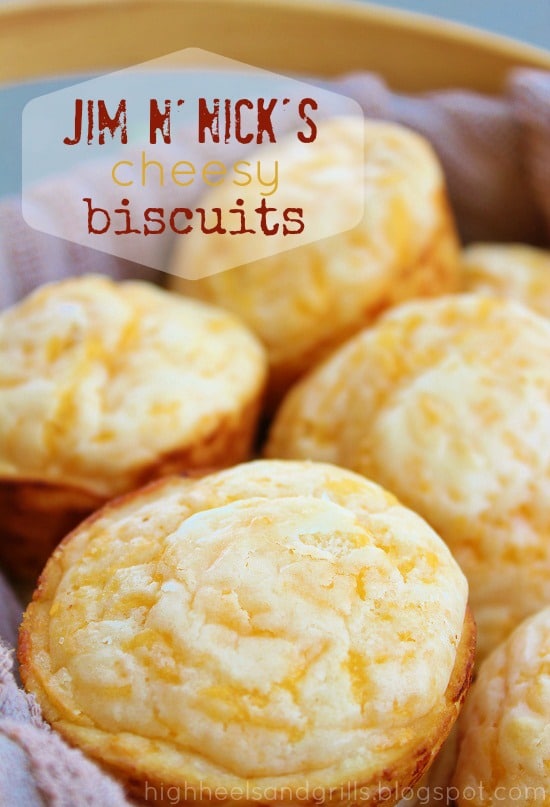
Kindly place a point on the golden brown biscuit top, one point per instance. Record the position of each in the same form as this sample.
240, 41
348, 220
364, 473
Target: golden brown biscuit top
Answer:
509, 270
270, 620
504, 729
99, 379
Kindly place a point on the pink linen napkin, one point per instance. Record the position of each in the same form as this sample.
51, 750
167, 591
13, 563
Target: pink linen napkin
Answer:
38, 769
10, 614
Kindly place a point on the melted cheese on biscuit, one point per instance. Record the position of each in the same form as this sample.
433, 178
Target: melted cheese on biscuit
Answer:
98, 380
270, 620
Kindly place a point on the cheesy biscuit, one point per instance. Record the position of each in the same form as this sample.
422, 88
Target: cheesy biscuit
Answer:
278, 630
104, 386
